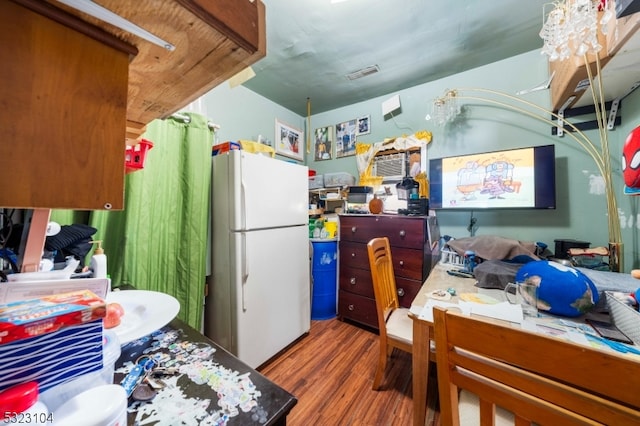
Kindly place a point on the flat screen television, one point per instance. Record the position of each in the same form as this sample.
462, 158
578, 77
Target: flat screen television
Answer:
522, 178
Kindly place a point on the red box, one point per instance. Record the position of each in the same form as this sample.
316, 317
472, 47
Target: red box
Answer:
223, 147
29, 318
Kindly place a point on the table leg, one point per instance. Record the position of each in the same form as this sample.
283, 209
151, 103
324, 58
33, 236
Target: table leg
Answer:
420, 362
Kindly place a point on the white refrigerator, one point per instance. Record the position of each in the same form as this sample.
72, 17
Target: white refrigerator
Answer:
259, 288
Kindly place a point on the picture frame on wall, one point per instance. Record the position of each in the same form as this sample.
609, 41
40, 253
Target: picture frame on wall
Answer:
364, 125
289, 141
346, 138
323, 143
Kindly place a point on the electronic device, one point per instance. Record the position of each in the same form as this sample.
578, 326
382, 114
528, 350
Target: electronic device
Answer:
608, 331
517, 178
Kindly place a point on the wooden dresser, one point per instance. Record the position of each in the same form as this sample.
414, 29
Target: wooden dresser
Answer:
414, 248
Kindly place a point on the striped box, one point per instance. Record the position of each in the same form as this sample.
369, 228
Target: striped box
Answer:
53, 358
623, 316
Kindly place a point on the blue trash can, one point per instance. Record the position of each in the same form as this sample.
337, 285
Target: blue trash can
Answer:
324, 272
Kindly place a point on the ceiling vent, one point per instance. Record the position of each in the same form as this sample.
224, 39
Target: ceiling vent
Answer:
372, 69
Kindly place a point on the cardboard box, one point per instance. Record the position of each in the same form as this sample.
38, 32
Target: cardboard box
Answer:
620, 30
34, 317
571, 77
221, 148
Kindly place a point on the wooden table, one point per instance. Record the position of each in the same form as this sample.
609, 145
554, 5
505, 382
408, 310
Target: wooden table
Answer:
423, 330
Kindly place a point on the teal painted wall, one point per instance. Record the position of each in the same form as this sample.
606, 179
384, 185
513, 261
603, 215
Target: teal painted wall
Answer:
245, 115
581, 207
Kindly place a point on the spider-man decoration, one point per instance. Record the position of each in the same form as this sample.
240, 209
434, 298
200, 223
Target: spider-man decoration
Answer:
631, 163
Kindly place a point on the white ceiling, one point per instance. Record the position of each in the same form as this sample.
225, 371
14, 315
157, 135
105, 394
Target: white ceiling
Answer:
313, 44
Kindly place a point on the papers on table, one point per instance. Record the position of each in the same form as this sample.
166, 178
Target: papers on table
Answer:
502, 311
566, 329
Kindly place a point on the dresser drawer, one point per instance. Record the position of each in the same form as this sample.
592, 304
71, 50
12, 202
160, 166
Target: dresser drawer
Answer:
357, 308
354, 255
355, 280
402, 231
407, 291
358, 281
408, 263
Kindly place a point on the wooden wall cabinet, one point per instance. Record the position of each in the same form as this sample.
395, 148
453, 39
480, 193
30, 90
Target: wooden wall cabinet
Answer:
63, 101
413, 254
74, 88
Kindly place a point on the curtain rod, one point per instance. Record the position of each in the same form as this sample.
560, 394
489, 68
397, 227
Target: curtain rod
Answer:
185, 118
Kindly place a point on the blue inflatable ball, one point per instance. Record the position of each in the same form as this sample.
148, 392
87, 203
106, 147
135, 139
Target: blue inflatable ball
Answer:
562, 290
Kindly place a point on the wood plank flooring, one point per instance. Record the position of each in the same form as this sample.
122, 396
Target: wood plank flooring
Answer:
331, 370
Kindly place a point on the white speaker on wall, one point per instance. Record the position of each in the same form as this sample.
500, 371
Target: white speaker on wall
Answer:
390, 105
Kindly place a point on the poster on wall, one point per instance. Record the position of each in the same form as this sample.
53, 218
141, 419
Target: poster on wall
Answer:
323, 143
364, 125
346, 138
289, 141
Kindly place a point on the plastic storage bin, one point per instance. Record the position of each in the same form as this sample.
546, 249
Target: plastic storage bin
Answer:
324, 271
332, 180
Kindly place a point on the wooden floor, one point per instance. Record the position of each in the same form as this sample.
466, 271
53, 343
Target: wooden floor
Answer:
331, 370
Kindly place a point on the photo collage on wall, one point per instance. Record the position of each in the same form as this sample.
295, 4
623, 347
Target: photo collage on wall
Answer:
343, 138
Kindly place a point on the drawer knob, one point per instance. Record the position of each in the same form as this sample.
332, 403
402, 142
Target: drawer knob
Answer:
351, 307
401, 292
402, 263
403, 233
352, 281
353, 254
353, 229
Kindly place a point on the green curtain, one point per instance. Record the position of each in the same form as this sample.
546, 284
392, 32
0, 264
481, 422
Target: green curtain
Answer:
159, 241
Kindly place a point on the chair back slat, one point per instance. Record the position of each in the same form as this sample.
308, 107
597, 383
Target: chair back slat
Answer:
538, 378
383, 278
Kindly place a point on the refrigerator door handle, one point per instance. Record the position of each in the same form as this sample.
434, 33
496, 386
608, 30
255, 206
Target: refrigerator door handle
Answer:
243, 204
245, 269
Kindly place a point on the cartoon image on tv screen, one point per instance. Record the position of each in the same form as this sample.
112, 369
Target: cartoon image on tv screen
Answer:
496, 179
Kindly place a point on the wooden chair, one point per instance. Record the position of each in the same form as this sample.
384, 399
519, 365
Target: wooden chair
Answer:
537, 378
396, 328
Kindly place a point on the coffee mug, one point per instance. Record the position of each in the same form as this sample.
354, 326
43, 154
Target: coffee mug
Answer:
524, 294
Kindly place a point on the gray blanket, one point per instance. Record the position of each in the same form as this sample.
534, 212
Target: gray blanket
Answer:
490, 247
495, 273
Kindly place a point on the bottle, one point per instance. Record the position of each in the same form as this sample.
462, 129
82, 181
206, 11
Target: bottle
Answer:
98, 261
20, 404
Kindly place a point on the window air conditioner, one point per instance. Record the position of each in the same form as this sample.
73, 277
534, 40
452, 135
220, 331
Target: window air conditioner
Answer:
390, 166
